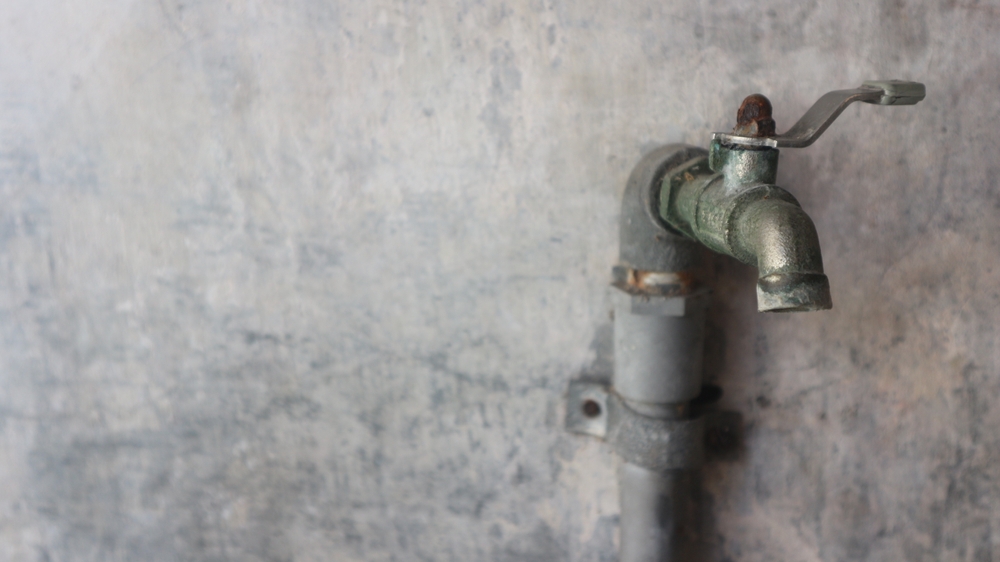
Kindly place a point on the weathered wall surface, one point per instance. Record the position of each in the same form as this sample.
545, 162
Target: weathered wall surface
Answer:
306, 280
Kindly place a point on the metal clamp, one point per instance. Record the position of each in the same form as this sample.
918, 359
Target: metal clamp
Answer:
828, 107
652, 443
655, 443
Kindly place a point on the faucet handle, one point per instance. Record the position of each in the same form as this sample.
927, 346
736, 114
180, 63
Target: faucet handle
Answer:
826, 109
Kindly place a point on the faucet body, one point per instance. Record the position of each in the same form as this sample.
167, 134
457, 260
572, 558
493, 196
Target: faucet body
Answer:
727, 200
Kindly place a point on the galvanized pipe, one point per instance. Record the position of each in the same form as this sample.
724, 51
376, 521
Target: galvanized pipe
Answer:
658, 517
658, 358
659, 338
658, 343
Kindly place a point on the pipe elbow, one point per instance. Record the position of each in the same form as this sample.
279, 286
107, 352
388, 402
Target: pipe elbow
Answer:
774, 233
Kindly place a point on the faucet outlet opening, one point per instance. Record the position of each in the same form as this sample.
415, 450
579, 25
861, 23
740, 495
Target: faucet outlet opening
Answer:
793, 292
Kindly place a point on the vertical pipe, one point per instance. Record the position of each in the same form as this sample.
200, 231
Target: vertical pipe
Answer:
658, 516
658, 347
658, 352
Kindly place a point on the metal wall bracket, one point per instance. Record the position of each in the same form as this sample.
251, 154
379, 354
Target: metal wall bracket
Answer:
655, 443
593, 409
651, 442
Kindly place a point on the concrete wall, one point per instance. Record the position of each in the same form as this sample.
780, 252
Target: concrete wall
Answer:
306, 280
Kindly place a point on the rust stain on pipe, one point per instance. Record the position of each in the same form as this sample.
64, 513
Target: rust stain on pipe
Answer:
655, 283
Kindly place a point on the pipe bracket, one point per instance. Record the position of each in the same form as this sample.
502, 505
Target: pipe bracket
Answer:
655, 443
650, 442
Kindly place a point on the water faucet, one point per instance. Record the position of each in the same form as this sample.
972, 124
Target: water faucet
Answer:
728, 200
678, 199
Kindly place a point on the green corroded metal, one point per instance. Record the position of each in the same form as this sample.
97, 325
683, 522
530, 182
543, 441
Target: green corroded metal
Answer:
728, 202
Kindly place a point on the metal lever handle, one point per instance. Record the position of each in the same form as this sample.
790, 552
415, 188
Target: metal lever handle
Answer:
828, 107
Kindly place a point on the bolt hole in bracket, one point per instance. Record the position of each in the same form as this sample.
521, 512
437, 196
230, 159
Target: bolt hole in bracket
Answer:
591, 408
587, 407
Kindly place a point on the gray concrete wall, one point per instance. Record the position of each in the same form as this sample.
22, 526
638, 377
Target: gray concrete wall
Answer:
306, 280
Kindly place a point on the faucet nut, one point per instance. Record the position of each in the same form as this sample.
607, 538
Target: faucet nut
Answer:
754, 117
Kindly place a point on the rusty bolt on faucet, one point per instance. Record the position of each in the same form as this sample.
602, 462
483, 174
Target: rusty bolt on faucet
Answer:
754, 117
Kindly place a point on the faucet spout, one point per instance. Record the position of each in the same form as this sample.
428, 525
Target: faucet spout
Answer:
777, 236
728, 202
